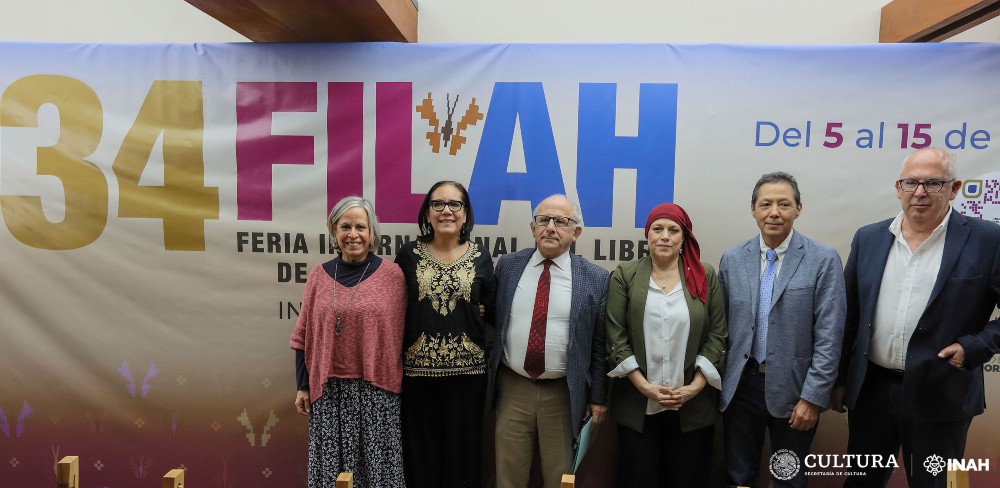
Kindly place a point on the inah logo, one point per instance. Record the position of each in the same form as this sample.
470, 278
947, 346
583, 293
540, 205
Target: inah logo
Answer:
784, 464
934, 464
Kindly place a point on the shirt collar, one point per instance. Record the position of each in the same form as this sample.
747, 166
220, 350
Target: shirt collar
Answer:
781, 247
896, 227
562, 261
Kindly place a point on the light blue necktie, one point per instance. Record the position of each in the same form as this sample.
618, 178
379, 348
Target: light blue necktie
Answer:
764, 308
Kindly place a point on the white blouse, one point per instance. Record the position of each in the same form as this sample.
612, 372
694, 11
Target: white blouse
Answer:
666, 324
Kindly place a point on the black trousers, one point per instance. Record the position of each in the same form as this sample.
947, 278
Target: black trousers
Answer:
661, 455
744, 422
443, 431
876, 426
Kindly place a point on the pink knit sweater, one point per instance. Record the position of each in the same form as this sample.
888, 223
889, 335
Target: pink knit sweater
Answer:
372, 315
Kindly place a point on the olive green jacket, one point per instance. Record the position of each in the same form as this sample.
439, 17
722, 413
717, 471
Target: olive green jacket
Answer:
707, 337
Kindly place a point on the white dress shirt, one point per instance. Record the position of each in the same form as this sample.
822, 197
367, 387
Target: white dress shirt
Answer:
780, 250
666, 324
515, 345
906, 287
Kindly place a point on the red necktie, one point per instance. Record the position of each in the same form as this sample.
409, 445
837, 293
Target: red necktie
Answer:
534, 358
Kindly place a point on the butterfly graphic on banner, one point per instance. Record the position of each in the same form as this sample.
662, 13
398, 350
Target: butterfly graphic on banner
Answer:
151, 373
19, 426
244, 420
451, 132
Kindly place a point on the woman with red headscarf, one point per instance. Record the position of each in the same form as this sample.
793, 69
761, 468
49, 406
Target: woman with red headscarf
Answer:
666, 326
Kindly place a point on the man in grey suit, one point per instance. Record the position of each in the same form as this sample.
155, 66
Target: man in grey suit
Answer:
548, 366
786, 305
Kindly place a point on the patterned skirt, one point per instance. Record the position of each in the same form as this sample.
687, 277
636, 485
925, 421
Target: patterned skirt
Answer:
354, 427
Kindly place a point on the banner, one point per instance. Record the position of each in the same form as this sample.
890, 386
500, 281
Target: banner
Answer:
163, 204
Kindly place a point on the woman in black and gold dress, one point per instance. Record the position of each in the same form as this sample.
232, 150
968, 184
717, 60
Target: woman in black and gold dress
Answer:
448, 277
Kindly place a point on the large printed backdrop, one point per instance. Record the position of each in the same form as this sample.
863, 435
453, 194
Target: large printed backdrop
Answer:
161, 204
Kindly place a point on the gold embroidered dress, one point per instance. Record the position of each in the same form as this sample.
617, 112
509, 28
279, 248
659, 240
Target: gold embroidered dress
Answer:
445, 332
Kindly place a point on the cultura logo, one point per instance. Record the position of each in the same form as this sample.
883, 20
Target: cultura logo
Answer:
451, 132
784, 464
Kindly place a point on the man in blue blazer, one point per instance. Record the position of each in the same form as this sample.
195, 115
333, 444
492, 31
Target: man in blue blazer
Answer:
920, 291
547, 368
784, 348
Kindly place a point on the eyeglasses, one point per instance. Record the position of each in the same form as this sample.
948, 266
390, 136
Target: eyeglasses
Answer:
930, 186
453, 205
543, 220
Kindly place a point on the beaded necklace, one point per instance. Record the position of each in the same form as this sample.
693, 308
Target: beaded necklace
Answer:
339, 327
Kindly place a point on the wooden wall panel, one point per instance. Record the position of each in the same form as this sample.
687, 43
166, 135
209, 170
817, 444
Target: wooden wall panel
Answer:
316, 20
933, 20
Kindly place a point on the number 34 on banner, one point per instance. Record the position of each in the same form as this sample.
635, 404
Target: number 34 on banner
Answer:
171, 108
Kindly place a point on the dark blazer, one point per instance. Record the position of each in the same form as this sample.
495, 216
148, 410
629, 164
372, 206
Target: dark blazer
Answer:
585, 374
707, 337
964, 296
805, 325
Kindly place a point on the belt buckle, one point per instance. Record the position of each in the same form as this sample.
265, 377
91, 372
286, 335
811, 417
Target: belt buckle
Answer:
762, 367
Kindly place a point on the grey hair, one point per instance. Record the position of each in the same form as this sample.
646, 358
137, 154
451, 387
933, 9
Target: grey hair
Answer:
777, 177
577, 214
948, 159
341, 208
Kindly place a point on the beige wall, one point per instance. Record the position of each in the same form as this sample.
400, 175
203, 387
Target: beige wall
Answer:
492, 21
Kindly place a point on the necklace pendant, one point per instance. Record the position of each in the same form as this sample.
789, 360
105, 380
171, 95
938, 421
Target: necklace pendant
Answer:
339, 327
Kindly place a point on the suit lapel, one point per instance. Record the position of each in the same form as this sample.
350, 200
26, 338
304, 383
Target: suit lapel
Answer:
516, 271
751, 268
696, 315
954, 241
576, 272
637, 308
875, 267
793, 256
